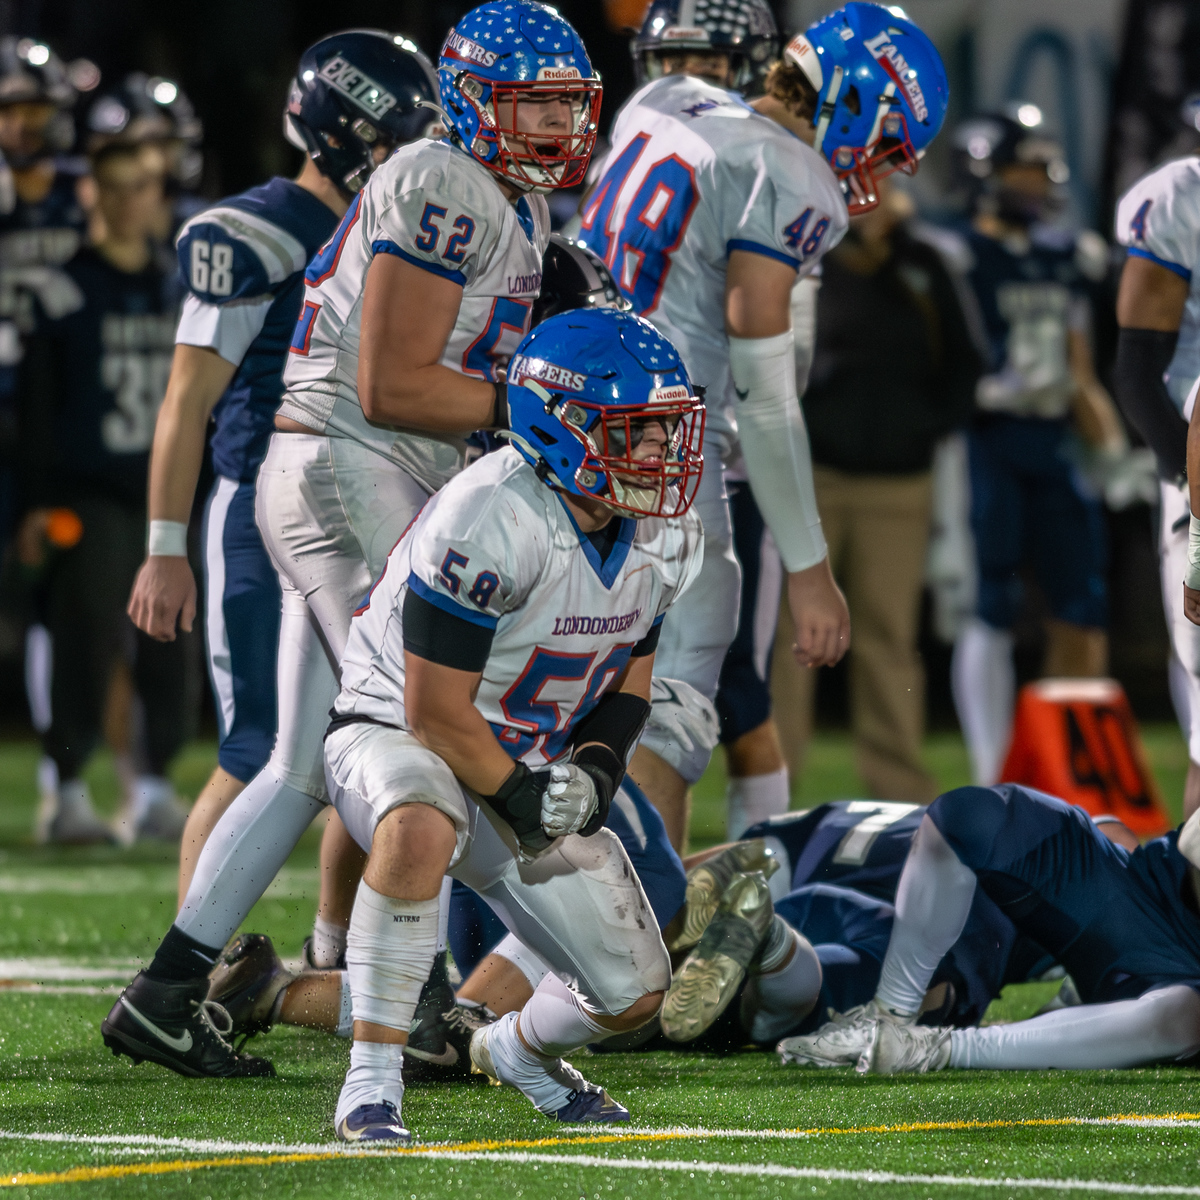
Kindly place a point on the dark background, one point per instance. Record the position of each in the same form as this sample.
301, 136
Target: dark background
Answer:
234, 59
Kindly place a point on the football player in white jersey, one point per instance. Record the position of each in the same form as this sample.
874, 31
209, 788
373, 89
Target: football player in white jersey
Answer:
409, 313
707, 210
1154, 378
517, 620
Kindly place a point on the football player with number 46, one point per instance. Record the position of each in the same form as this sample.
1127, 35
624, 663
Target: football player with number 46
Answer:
708, 210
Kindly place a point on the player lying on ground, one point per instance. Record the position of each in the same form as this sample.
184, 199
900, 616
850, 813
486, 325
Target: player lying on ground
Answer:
518, 618
394, 365
1124, 925
859, 846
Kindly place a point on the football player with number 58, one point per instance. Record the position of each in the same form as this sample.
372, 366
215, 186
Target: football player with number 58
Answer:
409, 313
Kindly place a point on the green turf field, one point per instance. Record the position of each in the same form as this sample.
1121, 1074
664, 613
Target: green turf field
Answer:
75, 1120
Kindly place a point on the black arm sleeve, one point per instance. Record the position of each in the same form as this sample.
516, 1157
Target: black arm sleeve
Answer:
1142, 357
648, 644
441, 637
616, 723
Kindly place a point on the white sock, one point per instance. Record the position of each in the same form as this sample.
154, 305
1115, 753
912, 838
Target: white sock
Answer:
147, 791
389, 952
444, 913
985, 688
328, 944
524, 959
554, 1022
374, 1077
345, 1025
933, 899
251, 841
754, 798
547, 1083
782, 998
1128, 1033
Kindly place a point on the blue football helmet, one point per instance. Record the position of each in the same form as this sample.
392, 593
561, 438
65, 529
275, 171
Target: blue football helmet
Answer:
582, 388
743, 29
30, 72
881, 94
354, 92
509, 51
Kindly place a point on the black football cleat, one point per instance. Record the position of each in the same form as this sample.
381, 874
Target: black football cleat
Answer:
247, 982
175, 1025
441, 1030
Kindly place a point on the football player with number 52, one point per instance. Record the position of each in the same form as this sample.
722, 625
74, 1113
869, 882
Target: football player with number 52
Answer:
707, 211
409, 313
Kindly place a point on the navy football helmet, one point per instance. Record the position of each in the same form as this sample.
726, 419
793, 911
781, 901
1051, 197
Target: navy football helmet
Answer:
881, 94
582, 387
31, 73
743, 29
509, 51
355, 91
984, 145
150, 108
574, 277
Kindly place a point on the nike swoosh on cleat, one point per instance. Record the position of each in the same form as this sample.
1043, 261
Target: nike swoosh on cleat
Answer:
180, 1044
740, 394
447, 1058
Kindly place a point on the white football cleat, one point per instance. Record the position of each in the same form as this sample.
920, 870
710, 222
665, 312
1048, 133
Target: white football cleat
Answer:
899, 1048
841, 1041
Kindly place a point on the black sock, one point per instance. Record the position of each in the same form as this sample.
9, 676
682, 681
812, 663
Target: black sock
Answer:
180, 958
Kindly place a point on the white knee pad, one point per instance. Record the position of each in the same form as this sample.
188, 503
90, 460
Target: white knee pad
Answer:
683, 727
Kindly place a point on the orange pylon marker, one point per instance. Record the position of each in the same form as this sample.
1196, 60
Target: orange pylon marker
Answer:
1076, 738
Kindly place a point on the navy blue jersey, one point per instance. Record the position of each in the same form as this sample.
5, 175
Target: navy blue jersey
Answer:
849, 931
854, 843
35, 241
1121, 923
245, 257
1030, 291
92, 383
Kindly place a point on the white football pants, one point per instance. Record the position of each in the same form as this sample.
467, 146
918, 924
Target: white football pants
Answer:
329, 511
701, 624
1183, 671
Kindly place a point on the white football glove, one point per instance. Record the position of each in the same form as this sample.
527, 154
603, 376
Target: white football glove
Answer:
569, 801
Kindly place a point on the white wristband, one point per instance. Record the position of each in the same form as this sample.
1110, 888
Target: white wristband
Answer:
167, 538
1191, 577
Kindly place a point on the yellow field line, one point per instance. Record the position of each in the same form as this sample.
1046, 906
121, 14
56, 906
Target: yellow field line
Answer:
122, 1171
119, 1171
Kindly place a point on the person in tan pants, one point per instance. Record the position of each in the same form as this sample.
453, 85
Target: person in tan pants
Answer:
893, 372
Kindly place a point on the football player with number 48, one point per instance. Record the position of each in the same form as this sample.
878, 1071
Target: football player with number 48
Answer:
708, 210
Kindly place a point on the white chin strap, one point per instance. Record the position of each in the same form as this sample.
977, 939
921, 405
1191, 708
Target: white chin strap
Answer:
826, 114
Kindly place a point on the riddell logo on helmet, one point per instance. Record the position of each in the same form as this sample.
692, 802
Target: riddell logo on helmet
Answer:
685, 33
555, 73
458, 46
668, 395
884, 51
361, 88
522, 367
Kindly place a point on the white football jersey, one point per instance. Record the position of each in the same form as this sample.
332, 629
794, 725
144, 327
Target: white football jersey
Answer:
437, 208
498, 548
694, 172
1159, 219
